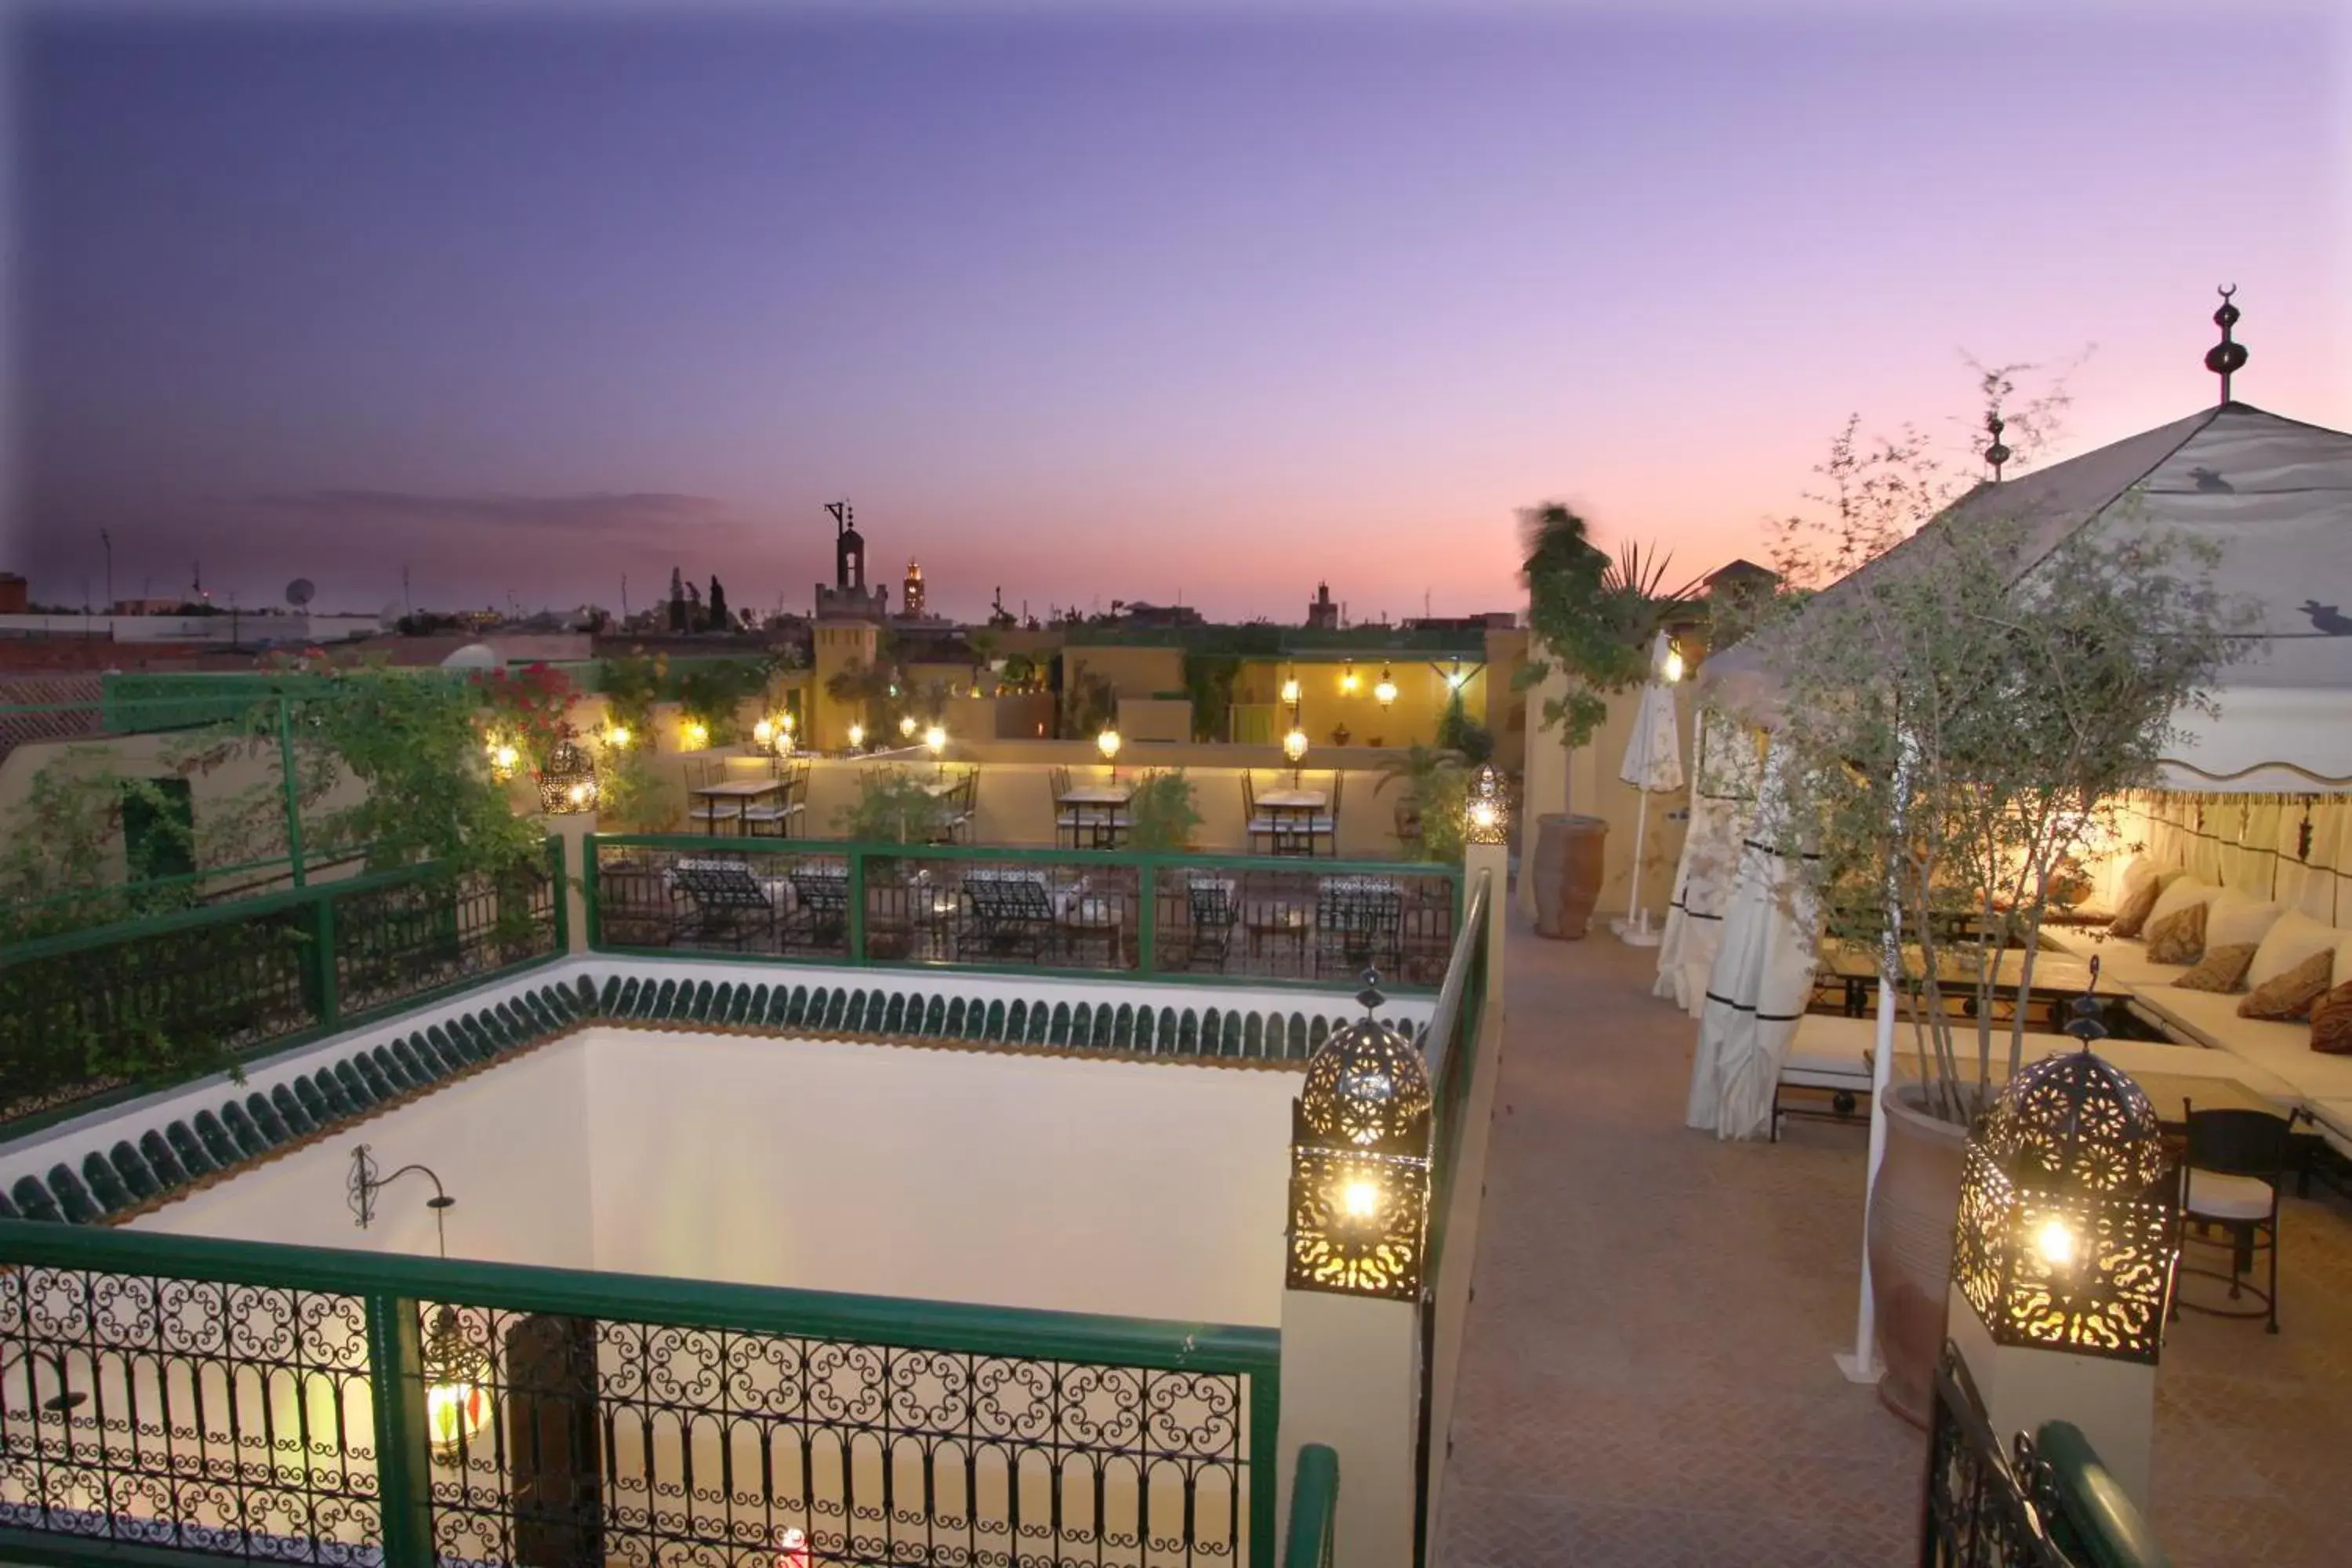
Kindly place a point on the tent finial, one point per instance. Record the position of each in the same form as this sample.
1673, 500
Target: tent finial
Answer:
2227, 357
1995, 453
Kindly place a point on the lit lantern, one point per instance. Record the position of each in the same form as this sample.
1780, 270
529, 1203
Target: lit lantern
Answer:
2065, 1238
1454, 678
856, 736
1290, 690
935, 741
568, 784
787, 724
504, 758
1348, 681
456, 1386
696, 735
764, 732
1107, 744
1385, 693
1671, 670
907, 727
1359, 1146
617, 737
1487, 812
1294, 745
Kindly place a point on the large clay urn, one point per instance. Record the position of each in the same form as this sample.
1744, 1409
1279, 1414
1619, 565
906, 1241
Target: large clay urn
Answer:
1566, 873
1912, 1210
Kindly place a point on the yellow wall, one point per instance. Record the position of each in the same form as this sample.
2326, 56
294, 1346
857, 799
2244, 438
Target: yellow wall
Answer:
1132, 671
838, 646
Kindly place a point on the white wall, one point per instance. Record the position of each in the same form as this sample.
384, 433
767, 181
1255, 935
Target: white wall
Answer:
1142, 1189
510, 1146
1148, 1189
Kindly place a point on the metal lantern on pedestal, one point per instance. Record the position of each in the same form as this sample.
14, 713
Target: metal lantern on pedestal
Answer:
2067, 1238
568, 783
1486, 813
1360, 1133
1293, 749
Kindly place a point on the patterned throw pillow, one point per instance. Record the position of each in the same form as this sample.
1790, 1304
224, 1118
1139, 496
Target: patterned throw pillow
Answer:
2331, 1022
2179, 937
2291, 995
2134, 913
2221, 969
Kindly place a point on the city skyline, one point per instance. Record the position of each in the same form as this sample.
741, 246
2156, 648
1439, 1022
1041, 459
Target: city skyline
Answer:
1136, 307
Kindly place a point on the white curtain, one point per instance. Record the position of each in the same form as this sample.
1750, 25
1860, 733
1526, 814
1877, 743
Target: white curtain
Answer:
1759, 984
1723, 798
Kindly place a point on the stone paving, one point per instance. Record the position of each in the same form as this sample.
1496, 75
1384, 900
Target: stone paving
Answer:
1647, 1380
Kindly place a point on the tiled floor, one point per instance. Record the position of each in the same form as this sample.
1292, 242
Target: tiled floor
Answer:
1647, 1379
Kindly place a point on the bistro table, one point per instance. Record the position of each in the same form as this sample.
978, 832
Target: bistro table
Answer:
1292, 813
741, 792
1097, 808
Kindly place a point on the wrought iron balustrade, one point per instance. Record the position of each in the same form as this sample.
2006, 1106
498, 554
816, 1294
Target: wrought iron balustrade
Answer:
1078, 911
258, 1402
148, 1002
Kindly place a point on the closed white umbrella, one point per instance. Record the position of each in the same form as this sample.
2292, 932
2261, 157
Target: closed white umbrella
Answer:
1758, 988
1652, 765
1723, 799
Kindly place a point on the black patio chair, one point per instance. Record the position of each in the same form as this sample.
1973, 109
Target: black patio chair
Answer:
1359, 920
1009, 911
2230, 1181
725, 900
821, 895
1212, 917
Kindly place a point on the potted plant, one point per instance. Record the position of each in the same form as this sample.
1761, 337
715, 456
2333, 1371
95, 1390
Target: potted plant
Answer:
1593, 616
1421, 769
1162, 815
1953, 725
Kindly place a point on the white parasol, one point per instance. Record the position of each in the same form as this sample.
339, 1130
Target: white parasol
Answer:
1652, 765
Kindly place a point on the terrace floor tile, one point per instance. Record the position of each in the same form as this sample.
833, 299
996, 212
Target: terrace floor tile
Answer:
1646, 1379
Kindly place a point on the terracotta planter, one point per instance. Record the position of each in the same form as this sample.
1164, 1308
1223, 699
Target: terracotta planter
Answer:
1910, 1231
1566, 873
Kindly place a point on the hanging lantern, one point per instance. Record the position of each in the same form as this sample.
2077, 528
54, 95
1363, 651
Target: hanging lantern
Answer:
1671, 671
935, 740
764, 732
907, 727
504, 758
1385, 693
1454, 678
1348, 681
694, 733
568, 783
788, 723
617, 737
1359, 1141
856, 736
2065, 1239
1486, 813
1290, 687
456, 1386
1107, 744
1294, 745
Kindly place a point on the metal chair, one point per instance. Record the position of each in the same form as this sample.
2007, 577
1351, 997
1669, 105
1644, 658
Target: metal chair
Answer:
1066, 826
1327, 826
725, 896
2229, 1180
1254, 826
1359, 920
1212, 916
701, 772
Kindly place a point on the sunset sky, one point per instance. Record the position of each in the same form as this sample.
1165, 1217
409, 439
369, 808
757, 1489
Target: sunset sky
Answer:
1178, 301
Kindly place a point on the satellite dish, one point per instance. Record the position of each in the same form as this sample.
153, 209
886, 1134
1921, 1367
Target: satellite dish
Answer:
475, 656
299, 592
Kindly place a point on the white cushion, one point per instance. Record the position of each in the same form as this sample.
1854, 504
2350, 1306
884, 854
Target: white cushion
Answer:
2138, 872
2122, 958
2281, 1051
2178, 895
2216, 1197
2237, 920
2293, 937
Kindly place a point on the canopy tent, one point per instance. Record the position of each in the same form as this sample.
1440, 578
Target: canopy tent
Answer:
2274, 496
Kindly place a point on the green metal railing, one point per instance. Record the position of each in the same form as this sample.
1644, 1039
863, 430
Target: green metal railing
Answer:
174, 1399
1451, 1050
1255, 920
1314, 1508
96, 1013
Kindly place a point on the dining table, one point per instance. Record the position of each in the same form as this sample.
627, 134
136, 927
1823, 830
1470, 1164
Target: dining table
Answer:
740, 791
1292, 813
1097, 808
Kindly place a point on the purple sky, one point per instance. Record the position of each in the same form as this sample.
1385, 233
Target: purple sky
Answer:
1108, 309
